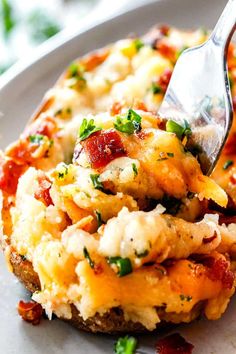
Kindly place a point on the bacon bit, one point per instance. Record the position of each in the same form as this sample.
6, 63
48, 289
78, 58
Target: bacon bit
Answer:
30, 312
210, 239
91, 61
166, 50
155, 35
115, 108
43, 192
227, 219
165, 79
230, 146
98, 269
218, 270
232, 178
140, 105
103, 147
173, 344
46, 126
142, 135
10, 173
234, 102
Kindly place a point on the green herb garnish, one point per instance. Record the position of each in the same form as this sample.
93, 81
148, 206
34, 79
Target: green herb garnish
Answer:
87, 256
138, 44
63, 171
135, 170
128, 124
179, 130
7, 17
96, 182
227, 164
156, 89
123, 264
99, 218
170, 154
36, 139
87, 128
125, 345
185, 297
42, 25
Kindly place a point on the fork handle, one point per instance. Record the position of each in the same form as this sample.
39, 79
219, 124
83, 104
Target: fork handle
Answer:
225, 26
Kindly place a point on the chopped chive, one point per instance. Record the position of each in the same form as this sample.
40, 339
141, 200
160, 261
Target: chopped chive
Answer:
170, 154
99, 218
227, 164
96, 182
179, 130
36, 139
135, 170
185, 297
88, 258
156, 89
138, 44
124, 265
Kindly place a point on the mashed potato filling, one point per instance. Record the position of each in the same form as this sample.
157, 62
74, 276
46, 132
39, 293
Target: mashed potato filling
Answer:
108, 204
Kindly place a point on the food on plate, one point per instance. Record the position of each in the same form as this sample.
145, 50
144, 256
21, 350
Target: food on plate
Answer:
107, 217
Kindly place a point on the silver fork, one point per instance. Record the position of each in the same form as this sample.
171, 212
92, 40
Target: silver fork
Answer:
199, 91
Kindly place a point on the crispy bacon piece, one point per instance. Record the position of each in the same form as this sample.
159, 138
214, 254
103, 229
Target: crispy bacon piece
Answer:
43, 192
93, 60
10, 172
103, 147
46, 126
174, 344
30, 312
227, 219
230, 146
166, 50
234, 102
115, 108
210, 239
218, 269
164, 79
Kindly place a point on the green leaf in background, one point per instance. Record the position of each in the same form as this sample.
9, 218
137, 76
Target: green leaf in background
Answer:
42, 26
7, 18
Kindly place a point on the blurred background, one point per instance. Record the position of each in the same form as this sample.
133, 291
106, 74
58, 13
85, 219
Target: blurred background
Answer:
24, 24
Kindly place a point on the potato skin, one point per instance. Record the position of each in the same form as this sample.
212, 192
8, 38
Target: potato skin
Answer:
112, 322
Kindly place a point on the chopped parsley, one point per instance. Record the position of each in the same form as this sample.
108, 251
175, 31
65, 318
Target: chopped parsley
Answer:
36, 139
96, 182
179, 130
128, 124
88, 258
76, 74
227, 164
99, 218
185, 297
135, 170
123, 264
165, 155
62, 171
156, 89
87, 128
125, 345
138, 44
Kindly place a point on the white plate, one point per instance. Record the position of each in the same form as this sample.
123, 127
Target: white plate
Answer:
21, 90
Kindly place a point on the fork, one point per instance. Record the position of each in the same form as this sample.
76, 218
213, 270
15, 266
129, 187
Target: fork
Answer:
199, 92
